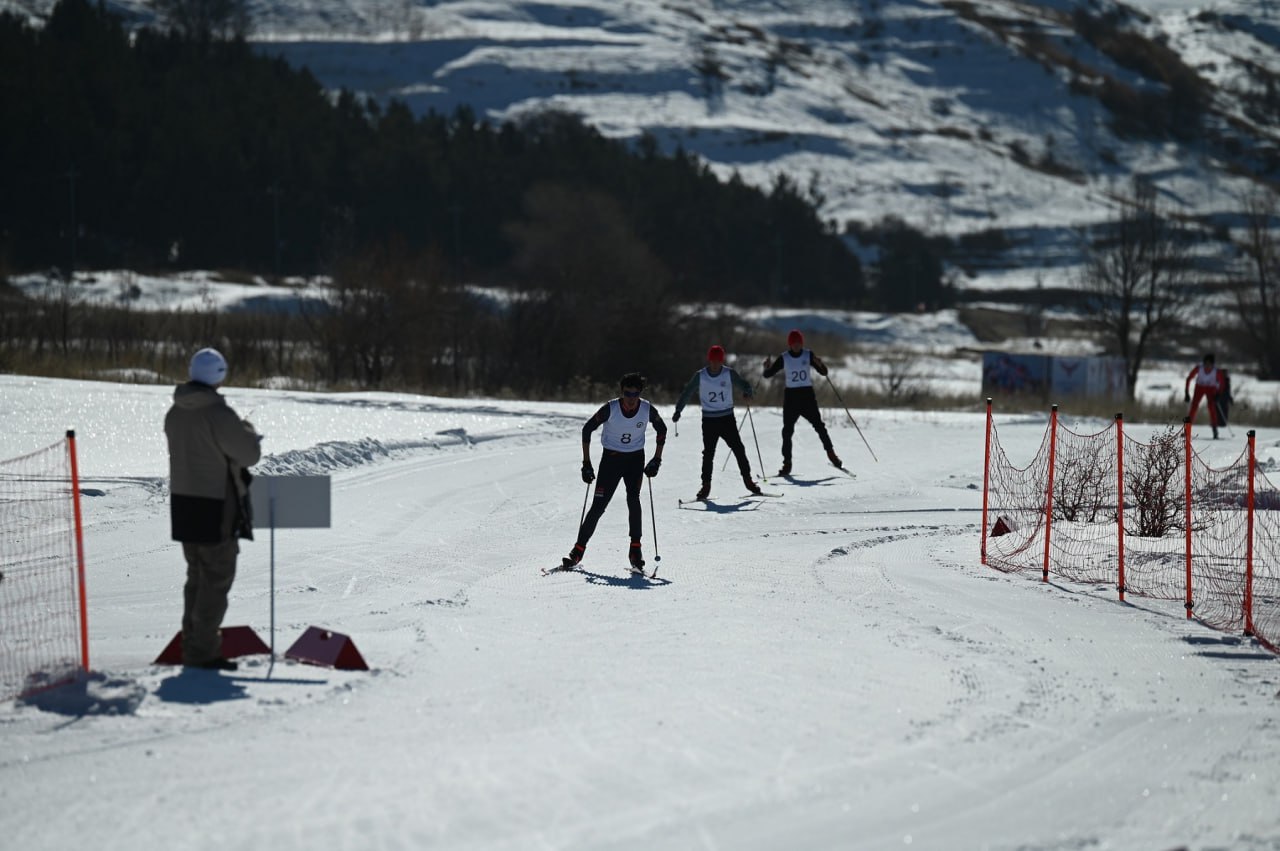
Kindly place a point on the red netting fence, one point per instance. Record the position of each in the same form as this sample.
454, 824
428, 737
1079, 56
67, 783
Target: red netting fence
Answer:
43, 636
1152, 518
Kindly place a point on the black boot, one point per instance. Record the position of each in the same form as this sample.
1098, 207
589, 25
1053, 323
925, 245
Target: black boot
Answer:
634, 556
704, 491
785, 470
575, 555
751, 485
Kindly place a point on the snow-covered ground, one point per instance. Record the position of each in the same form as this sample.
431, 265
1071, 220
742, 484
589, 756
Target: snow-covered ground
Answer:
831, 668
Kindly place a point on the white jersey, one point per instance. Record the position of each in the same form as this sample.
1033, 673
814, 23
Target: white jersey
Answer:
798, 370
622, 433
715, 391
1207, 379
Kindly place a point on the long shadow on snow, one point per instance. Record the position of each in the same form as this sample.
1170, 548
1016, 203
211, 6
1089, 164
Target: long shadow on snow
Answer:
717, 508
631, 580
807, 483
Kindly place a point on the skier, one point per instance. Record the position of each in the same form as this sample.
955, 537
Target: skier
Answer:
1209, 382
799, 398
626, 421
713, 385
210, 451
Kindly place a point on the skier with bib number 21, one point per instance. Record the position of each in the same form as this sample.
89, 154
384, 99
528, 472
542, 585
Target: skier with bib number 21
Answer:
714, 385
625, 422
799, 399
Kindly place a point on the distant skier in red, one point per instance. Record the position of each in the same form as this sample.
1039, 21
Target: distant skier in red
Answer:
1210, 383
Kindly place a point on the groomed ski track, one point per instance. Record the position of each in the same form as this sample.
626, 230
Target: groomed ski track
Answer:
832, 669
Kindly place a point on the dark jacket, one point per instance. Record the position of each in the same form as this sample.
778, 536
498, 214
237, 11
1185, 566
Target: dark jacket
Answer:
210, 451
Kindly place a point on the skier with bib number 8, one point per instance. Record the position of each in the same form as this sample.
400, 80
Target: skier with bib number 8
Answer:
625, 422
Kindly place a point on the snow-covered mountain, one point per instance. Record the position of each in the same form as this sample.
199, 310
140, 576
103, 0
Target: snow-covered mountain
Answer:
960, 116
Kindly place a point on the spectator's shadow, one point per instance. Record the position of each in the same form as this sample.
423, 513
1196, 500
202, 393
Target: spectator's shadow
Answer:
194, 685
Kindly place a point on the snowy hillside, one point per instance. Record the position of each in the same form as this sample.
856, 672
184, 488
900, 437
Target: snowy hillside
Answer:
957, 116
830, 668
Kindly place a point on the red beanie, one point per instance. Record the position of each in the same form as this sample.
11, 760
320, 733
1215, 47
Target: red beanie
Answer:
715, 354
795, 338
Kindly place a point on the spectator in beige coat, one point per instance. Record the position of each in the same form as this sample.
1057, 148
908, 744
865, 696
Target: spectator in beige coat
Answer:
210, 451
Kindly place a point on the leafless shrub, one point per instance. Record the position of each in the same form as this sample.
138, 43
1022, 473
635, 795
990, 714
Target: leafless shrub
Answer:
1155, 496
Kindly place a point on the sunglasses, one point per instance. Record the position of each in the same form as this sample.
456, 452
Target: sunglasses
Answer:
631, 394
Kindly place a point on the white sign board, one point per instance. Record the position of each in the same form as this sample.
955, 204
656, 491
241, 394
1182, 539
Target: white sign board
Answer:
290, 502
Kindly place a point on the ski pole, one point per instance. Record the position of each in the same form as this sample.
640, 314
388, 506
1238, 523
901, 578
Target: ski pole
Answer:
585, 496
1223, 417
851, 419
725, 465
653, 518
759, 457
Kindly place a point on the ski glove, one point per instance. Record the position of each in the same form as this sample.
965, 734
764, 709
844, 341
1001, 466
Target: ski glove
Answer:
651, 469
588, 472
675, 418
1186, 397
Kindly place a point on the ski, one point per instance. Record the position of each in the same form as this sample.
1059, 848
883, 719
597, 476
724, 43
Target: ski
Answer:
689, 501
846, 472
762, 493
638, 572
565, 566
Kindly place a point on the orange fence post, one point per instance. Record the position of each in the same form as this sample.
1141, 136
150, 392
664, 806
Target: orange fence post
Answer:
986, 481
1048, 504
1120, 500
79, 538
1248, 547
1186, 439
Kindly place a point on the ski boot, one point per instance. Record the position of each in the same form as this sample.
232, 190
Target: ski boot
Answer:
574, 556
635, 558
1215, 432
785, 470
834, 458
751, 485
704, 491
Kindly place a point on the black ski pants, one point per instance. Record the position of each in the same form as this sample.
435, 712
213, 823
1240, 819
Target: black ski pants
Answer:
715, 429
616, 467
800, 402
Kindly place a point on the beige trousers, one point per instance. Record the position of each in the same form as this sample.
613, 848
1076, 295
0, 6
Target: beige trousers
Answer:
211, 568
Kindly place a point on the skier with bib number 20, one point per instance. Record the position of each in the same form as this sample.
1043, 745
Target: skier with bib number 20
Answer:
714, 385
799, 399
625, 421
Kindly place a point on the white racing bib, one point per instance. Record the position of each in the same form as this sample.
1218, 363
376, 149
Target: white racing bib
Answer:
622, 433
797, 368
715, 391
1207, 379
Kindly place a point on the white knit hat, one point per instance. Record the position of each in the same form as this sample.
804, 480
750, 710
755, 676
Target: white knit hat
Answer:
208, 366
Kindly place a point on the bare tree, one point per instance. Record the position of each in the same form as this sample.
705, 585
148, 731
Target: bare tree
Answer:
1257, 283
1137, 278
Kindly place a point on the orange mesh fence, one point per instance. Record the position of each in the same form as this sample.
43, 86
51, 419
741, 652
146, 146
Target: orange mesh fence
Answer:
1155, 516
1219, 535
1016, 508
1083, 539
41, 615
1265, 586
1151, 518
